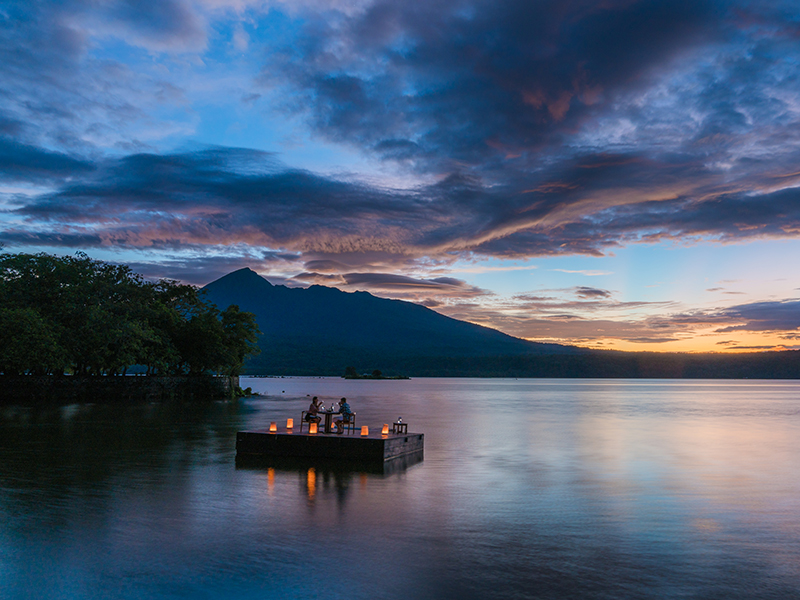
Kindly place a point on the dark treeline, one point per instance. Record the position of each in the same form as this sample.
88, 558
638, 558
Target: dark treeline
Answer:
614, 364
285, 359
80, 316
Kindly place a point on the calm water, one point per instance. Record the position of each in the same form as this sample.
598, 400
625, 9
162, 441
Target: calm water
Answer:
529, 489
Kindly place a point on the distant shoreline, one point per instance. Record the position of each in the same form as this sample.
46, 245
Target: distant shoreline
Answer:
375, 378
620, 378
49, 388
594, 364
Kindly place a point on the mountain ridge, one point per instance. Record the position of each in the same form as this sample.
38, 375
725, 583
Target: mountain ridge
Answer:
322, 325
322, 331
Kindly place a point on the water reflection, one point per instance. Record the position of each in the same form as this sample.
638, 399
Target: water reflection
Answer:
529, 489
311, 483
396, 465
271, 481
333, 474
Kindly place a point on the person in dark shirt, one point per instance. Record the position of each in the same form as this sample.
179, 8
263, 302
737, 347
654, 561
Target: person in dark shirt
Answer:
347, 415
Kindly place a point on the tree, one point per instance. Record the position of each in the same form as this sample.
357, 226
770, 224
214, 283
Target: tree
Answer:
28, 344
240, 332
200, 342
94, 318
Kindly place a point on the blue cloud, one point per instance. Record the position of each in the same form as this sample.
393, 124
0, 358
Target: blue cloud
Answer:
531, 129
783, 315
449, 82
23, 162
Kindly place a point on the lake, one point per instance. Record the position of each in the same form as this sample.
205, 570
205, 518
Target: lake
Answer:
528, 489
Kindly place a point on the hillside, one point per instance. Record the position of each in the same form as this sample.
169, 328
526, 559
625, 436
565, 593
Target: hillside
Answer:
321, 330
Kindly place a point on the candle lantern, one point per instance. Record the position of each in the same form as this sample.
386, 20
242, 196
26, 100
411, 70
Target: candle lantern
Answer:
289, 423
312, 428
364, 430
273, 427
385, 430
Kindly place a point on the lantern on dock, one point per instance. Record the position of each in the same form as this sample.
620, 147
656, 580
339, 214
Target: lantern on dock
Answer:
364, 430
273, 427
289, 423
385, 430
312, 428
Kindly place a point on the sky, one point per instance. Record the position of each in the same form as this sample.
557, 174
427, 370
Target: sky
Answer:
617, 174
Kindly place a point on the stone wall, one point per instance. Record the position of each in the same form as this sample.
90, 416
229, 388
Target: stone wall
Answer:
33, 388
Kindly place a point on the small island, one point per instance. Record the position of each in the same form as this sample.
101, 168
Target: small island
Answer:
351, 373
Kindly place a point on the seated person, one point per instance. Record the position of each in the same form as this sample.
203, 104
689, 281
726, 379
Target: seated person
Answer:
312, 415
347, 414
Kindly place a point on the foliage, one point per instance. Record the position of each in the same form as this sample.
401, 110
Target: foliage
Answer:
240, 338
77, 315
39, 354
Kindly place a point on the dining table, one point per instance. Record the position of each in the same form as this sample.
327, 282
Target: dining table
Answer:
328, 427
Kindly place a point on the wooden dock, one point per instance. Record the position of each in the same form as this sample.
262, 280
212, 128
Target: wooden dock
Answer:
374, 448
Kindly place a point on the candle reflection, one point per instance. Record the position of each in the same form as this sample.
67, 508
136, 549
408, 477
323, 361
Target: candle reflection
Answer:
311, 483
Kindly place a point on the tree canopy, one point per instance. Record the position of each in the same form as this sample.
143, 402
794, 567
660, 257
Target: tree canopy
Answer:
81, 316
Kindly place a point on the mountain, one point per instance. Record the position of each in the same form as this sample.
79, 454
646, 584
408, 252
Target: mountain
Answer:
320, 330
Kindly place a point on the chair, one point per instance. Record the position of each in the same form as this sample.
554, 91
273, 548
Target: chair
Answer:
350, 424
303, 419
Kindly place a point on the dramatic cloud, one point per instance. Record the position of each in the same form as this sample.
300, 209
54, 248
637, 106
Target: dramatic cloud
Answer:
202, 268
481, 81
382, 142
763, 316
22, 162
74, 78
222, 196
166, 25
555, 318
587, 292
411, 288
517, 107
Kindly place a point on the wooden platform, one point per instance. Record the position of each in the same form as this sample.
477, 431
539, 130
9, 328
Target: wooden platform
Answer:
352, 447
